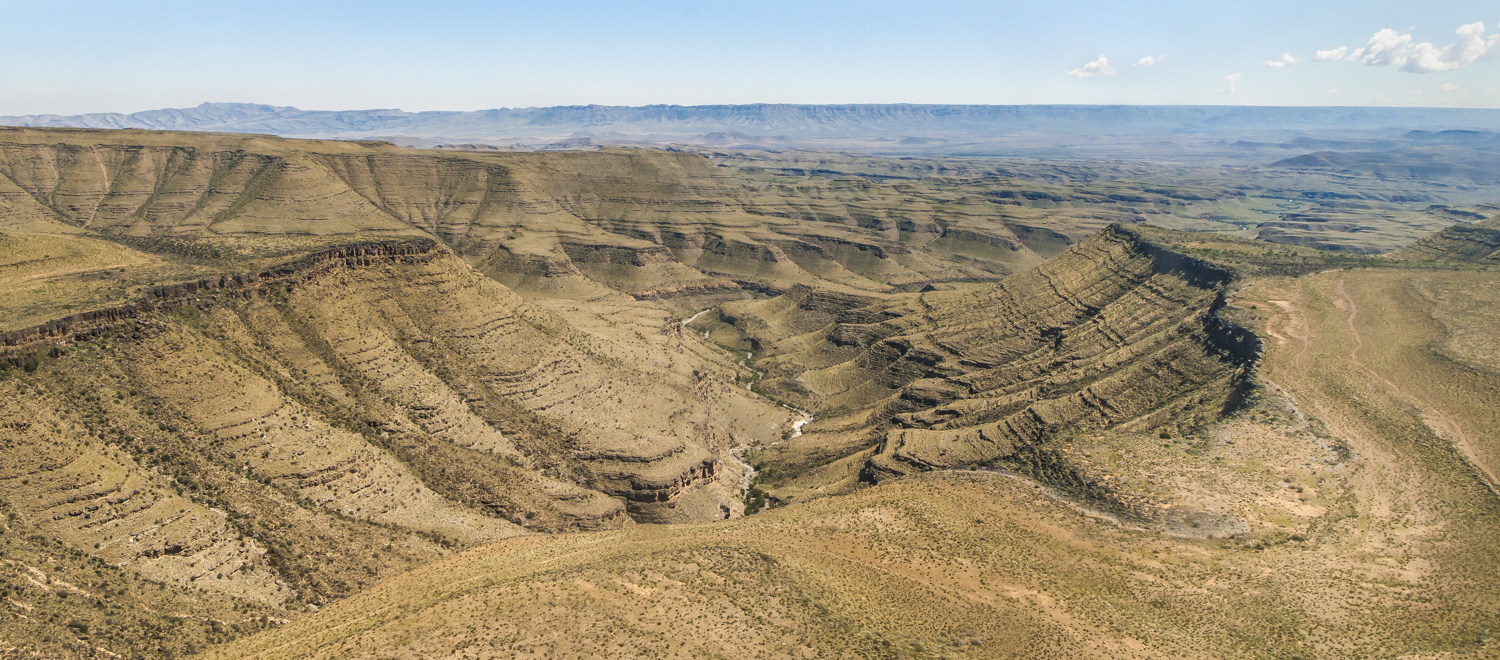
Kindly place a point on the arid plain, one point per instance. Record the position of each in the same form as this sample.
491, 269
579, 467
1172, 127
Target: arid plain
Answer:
269, 398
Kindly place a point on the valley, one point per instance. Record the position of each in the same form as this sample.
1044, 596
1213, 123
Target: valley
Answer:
263, 397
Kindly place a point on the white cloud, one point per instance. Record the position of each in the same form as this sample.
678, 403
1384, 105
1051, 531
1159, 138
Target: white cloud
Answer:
1391, 48
1330, 55
1149, 61
1470, 47
1447, 87
1230, 81
1286, 60
1099, 67
1333, 91
1386, 47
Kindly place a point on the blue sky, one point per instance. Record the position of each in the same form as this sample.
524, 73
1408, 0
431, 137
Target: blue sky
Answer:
73, 57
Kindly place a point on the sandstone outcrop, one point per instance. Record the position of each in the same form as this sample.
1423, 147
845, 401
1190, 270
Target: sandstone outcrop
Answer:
218, 434
1120, 332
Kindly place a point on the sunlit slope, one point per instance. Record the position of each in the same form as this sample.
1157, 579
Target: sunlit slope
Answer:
1471, 243
1423, 338
285, 437
649, 223
1117, 333
966, 566
419, 345
653, 224
939, 565
61, 602
1357, 472
51, 275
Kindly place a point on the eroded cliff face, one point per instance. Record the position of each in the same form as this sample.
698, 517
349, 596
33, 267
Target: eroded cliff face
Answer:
371, 391
1471, 243
83, 326
651, 224
1117, 333
216, 434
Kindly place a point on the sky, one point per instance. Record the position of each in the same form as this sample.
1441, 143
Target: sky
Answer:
68, 57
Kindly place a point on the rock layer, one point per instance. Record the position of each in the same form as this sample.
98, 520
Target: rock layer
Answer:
1117, 333
211, 433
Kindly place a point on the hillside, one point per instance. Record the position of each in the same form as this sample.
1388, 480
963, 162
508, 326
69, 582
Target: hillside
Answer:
651, 224
262, 397
1344, 511
648, 223
1117, 333
238, 436
1477, 243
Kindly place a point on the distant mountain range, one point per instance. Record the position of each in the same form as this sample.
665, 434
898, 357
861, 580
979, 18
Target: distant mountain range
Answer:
910, 126
1454, 155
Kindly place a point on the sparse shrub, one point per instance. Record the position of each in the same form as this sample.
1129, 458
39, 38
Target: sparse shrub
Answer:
755, 500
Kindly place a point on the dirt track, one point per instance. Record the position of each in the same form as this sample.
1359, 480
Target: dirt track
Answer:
1442, 422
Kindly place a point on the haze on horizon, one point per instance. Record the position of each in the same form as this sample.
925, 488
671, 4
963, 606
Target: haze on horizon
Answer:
81, 57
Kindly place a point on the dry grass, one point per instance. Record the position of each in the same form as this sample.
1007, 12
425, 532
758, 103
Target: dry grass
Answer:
46, 276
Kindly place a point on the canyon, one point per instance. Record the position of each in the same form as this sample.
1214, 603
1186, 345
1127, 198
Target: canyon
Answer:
263, 397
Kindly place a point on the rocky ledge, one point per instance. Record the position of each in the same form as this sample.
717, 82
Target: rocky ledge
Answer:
18, 345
